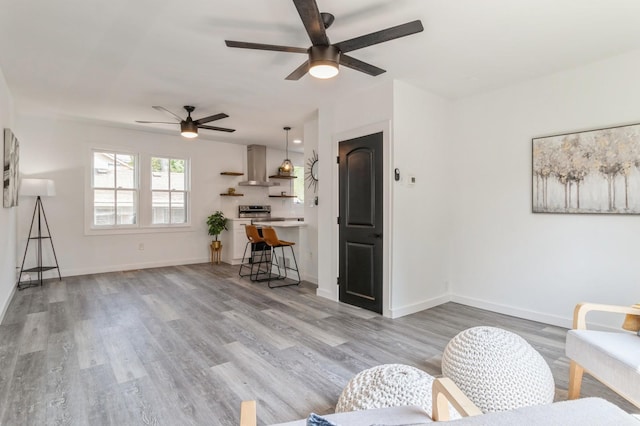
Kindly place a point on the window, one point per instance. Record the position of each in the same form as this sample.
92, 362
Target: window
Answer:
169, 195
115, 189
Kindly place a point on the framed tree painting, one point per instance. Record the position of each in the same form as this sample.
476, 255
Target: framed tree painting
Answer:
595, 171
10, 169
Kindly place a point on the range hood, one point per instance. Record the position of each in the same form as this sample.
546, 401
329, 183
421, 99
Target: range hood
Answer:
257, 167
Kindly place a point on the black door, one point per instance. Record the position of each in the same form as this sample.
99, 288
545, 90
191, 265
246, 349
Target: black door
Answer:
360, 227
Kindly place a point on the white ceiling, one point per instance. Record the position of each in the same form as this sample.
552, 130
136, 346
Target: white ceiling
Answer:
111, 60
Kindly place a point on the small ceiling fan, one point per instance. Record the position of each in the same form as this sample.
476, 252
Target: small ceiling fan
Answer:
189, 127
324, 57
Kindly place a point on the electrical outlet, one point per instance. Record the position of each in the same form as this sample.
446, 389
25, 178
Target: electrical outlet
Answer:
141, 246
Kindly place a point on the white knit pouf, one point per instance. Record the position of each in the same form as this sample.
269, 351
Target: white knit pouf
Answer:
388, 385
498, 370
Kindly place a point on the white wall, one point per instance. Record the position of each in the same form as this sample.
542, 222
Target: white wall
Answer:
415, 125
310, 255
7, 216
538, 266
349, 117
421, 219
61, 150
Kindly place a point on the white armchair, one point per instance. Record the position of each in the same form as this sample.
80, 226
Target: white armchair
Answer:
611, 357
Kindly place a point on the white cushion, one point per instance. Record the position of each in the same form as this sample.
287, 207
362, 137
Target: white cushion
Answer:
613, 358
581, 412
405, 415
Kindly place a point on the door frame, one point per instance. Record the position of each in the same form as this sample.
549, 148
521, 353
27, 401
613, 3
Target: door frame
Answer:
387, 187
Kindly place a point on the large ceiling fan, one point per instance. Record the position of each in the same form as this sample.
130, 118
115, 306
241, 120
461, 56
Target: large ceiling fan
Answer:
188, 126
324, 57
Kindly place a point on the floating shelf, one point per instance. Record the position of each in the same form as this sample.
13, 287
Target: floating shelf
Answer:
282, 196
282, 177
232, 195
231, 173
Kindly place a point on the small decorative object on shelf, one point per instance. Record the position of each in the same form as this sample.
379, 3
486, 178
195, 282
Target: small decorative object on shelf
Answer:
231, 173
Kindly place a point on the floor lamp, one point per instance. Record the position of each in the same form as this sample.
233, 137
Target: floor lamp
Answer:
38, 188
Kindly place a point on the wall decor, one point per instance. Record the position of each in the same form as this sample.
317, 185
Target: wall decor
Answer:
594, 171
311, 174
10, 169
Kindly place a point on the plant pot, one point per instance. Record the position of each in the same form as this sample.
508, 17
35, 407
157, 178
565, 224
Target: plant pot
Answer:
216, 244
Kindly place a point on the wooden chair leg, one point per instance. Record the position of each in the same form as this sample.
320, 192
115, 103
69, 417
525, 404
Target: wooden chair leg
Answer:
575, 380
248, 413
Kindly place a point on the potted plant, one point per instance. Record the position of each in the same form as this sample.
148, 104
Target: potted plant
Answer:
217, 223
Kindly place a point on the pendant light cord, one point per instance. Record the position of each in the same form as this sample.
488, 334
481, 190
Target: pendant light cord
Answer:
287, 146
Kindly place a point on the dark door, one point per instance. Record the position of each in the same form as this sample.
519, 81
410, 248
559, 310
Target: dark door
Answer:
360, 227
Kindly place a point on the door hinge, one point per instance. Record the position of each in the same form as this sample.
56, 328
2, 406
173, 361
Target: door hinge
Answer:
338, 159
338, 220
338, 280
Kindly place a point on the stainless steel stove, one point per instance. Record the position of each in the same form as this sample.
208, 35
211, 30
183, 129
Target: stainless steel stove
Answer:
254, 212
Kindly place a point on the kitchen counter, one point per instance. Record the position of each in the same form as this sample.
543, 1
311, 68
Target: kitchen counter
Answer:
282, 224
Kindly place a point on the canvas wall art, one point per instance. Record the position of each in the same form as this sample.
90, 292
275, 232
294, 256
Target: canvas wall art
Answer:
595, 171
10, 169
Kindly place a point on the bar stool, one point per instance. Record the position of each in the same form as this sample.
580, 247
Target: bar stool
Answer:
272, 240
255, 243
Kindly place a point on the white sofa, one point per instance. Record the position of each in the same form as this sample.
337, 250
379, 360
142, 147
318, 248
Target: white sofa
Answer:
587, 411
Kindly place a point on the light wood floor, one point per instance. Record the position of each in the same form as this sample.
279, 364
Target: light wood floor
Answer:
184, 345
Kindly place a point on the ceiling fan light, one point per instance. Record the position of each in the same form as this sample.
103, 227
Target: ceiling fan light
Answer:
324, 71
323, 61
188, 129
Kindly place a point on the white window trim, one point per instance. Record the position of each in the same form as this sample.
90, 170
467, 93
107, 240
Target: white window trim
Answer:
143, 225
186, 192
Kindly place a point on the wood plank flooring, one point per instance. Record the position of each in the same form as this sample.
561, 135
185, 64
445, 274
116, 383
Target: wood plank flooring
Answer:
184, 345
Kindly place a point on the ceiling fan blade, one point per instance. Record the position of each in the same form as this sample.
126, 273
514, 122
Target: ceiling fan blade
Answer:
220, 129
358, 65
166, 111
155, 122
210, 118
260, 46
380, 36
310, 15
299, 72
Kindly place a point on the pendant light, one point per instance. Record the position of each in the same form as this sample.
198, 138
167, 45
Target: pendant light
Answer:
287, 166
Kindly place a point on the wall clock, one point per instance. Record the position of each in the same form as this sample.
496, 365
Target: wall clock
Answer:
311, 174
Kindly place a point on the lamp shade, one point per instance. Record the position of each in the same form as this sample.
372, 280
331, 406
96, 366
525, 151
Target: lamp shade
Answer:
38, 187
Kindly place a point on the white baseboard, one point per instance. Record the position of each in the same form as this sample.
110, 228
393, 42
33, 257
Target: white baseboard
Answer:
309, 278
6, 306
326, 294
420, 306
131, 266
514, 311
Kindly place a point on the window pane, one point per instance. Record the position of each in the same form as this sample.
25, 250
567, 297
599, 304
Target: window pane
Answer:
104, 207
160, 207
159, 173
103, 170
126, 208
178, 174
178, 210
125, 171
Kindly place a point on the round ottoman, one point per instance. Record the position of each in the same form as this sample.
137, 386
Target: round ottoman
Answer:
388, 385
498, 370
